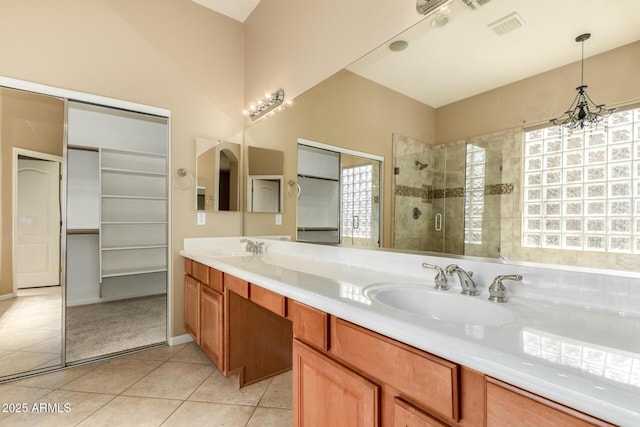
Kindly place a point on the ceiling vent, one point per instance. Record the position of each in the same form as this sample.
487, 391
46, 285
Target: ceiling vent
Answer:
474, 4
424, 7
507, 24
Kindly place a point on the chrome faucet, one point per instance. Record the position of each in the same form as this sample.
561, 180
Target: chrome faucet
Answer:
440, 279
497, 291
469, 286
253, 247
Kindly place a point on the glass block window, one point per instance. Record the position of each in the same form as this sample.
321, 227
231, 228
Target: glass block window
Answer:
357, 183
582, 190
474, 194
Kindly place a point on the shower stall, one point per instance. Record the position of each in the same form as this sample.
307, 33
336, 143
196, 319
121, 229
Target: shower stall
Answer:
442, 198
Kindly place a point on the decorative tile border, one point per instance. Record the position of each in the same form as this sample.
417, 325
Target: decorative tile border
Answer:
424, 193
498, 189
427, 193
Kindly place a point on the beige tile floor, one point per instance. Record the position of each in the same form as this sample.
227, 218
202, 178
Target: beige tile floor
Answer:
30, 330
167, 386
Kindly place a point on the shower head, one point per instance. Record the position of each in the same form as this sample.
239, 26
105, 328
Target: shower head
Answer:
421, 165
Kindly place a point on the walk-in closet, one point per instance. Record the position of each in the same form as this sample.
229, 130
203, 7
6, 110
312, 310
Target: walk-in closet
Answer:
85, 227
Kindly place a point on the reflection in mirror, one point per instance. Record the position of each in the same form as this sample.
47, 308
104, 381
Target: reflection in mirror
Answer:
264, 193
338, 195
31, 142
519, 80
265, 180
218, 175
472, 202
447, 198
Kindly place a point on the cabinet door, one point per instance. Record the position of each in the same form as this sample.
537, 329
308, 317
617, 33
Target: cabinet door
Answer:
211, 325
326, 393
406, 415
192, 307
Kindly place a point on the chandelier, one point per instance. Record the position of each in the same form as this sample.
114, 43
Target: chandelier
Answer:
583, 114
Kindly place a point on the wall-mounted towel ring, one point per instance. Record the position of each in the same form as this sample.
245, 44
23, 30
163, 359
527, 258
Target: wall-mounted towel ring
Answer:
182, 173
291, 184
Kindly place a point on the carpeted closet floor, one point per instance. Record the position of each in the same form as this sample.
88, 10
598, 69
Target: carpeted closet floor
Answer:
105, 328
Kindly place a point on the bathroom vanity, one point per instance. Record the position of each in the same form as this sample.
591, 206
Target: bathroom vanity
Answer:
380, 361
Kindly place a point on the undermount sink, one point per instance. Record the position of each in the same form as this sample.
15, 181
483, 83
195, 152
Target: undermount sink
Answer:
446, 306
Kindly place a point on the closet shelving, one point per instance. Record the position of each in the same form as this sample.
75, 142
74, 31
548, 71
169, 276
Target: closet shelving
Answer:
134, 209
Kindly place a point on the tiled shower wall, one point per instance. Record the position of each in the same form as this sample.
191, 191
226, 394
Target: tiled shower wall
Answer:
440, 189
507, 194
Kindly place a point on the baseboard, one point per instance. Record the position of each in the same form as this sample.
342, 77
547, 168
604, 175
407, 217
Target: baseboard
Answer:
109, 299
180, 339
7, 296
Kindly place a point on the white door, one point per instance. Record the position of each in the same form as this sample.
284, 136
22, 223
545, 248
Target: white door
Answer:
266, 195
38, 223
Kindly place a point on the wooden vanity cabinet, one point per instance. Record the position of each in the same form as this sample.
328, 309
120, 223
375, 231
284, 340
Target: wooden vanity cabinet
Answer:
258, 337
327, 393
344, 374
508, 406
405, 414
212, 325
337, 360
192, 307
204, 309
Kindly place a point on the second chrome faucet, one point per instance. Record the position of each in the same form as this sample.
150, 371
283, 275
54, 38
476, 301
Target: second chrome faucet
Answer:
468, 284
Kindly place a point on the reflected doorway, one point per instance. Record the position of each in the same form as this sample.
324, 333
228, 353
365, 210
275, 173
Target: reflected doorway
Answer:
339, 198
31, 296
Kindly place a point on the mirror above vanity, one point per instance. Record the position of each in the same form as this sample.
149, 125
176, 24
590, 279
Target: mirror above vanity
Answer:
463, 90
218, 175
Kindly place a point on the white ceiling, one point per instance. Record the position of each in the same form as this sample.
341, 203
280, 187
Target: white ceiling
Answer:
236, 9
465, 57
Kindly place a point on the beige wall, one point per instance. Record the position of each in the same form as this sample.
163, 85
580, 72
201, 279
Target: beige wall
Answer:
33, 122
172, 54
612, 78
345, 111
295, 45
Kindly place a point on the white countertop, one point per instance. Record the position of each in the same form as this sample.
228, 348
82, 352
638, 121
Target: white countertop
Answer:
562, 344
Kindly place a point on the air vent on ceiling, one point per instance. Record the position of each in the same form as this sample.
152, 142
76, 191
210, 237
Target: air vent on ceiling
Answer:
474, 4
508, 23
424, 7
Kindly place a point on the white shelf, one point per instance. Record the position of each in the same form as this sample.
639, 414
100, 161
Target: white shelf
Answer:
117, 196
132, 222
129, 248
134, 172
131, 272
134, 152
134, 195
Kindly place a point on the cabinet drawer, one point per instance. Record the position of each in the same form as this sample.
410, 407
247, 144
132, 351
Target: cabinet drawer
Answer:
405, 414
508, 405
215, 280
309, 324
188, 266
239, 286
268, 299
425, 379
200, 272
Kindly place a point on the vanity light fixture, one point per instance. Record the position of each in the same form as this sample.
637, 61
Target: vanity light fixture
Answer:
583, 114
424, 7
271, 101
